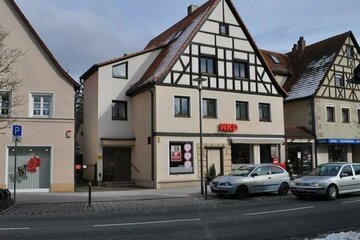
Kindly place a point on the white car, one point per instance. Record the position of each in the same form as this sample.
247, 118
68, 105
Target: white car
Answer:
329, 179
254, 178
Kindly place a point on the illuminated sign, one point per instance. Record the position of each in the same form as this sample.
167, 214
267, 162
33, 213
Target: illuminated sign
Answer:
228, 127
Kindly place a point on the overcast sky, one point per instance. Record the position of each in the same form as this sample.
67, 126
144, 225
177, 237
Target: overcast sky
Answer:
81, 33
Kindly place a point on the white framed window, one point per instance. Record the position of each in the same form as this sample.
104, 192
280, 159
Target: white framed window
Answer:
5, 103
120, 71
42, 105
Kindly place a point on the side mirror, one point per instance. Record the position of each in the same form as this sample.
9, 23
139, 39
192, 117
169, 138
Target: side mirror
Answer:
254, 174
344, 175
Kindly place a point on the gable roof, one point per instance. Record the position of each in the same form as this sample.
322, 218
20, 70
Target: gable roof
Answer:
173, 48
44, 47
308, 69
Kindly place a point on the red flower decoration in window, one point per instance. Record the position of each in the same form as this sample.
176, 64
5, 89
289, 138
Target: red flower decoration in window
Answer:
32, 164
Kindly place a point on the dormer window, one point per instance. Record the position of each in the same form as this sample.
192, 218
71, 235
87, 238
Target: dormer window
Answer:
224, 29
349, 51
120, 71
275, 59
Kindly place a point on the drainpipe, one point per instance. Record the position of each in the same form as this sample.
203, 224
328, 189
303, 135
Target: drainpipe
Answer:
313, 120
151, 90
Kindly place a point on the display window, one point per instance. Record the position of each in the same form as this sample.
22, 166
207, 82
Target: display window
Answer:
181, 157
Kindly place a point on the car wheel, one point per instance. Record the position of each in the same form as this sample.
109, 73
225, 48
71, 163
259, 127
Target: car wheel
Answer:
242, 192
331, 192
283, 189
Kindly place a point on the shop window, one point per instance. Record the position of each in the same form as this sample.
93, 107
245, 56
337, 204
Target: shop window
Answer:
207, 65
330, 114
264, 112
209, 108
269, 153
42, 105
241, 153
119, 110
120, 70
242, 110
181, 106
241, 69
339, 80
181, 157
345, 112
337, 153
4, 103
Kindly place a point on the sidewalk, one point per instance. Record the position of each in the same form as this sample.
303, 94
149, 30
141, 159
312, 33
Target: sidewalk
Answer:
124, 200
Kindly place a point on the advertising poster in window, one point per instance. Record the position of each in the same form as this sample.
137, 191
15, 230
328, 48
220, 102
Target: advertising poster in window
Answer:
275, 153
181, 157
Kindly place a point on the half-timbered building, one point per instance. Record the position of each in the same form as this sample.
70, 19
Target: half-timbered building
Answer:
142, 111
322, 109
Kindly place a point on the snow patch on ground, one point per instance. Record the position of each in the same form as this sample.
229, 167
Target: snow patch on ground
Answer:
340, 236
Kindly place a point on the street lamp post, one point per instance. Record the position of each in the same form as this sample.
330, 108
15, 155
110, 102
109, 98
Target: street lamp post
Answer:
200, 81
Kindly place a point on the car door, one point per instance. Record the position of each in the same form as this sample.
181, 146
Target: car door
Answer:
260, 179
276, 178
356, 168
346, 179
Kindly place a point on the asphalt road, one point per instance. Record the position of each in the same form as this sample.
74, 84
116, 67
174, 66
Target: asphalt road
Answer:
259, 217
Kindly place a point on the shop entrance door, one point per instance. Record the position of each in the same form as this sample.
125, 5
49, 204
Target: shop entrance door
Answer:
117, 164
300, 156
215, 156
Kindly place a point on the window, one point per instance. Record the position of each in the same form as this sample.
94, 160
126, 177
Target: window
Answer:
330, 114
209, 108
241, 69
181, 157
339, 80
224, 29
276, 170
275, 59
120, 70
345, 112
119, 110
356, 169
242, 110
182, 106
350, 51
337, 153
261, 171
207, 65
347, 170
264, 112
4, 103
42, 105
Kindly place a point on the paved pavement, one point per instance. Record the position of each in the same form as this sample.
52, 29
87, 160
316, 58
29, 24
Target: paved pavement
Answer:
103, 200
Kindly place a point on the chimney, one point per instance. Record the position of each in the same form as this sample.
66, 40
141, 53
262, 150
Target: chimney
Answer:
301, 45
192, 8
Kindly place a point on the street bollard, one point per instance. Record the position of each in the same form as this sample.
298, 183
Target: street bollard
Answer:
89, 203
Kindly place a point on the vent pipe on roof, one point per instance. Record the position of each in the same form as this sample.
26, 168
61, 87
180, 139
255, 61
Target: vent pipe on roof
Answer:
192, 8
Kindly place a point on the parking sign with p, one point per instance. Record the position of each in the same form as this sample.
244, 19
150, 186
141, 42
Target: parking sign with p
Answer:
17, 132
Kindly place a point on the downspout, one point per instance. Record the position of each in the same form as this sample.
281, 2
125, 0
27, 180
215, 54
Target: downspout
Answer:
313, 120
151, 90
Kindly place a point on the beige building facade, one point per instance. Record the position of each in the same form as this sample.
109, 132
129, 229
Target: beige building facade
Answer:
45, 154
142, 113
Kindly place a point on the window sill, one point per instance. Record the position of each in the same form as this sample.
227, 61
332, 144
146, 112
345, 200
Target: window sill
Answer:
178, 116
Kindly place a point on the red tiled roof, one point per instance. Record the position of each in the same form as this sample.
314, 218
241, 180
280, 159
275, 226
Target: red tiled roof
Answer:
282, 68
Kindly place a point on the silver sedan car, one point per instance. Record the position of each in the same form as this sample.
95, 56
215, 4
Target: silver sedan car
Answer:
249, 179
329, 179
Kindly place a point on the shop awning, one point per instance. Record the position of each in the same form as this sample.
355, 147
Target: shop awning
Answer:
302, 133
118, 142
246, 140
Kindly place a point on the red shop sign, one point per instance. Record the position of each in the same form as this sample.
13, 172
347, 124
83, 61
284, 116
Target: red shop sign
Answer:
228, 127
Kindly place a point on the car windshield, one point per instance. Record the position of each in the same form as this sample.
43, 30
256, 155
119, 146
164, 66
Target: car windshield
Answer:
243, 171
326, 170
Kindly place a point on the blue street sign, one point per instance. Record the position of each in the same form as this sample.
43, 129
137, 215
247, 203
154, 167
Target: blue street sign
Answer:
17, 131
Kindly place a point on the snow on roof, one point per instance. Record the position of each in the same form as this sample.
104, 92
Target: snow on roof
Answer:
309, 81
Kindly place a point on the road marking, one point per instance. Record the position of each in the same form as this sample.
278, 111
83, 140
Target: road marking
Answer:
279, 211
146, 223
14, 229
354, 201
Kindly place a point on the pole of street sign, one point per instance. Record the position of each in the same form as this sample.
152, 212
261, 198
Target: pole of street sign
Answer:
16, 140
